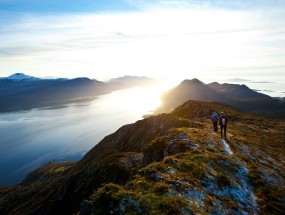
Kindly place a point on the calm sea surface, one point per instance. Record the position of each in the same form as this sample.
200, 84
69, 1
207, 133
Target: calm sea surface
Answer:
31, 138
273, 89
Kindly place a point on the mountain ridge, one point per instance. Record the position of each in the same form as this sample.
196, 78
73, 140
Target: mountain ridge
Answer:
239, 96
169, 164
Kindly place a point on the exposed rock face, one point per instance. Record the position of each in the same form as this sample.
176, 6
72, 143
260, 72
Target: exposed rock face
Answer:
162, 147
167, 164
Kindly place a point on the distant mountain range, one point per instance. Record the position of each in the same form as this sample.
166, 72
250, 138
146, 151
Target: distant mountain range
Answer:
239, 96
20, 91
130, 81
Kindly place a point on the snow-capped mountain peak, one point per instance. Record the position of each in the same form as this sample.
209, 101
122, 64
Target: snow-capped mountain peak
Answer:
21, 76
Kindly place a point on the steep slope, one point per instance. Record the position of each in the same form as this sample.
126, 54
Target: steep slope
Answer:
167, 164
239, 96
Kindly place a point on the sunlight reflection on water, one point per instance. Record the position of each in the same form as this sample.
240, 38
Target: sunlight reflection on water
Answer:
32, 138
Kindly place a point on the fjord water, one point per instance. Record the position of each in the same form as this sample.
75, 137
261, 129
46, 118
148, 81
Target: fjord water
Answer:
29, 139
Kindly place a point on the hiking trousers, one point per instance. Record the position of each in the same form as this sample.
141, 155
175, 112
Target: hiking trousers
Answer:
215, 125
224, 127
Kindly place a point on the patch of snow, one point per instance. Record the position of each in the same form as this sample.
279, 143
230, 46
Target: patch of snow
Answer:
226, 147
21, 76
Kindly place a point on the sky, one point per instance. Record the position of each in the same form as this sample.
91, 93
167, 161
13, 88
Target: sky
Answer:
176, 39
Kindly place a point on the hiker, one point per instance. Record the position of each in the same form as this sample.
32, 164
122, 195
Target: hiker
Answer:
223, 124
215, 118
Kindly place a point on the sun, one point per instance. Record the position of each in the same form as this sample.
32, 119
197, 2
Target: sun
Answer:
146, 98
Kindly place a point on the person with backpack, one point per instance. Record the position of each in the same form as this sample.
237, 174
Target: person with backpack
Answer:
215, 118
223, 124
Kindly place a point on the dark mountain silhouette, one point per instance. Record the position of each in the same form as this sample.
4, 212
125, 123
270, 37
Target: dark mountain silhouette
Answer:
167, 164
239, 96
19, 95
21, 92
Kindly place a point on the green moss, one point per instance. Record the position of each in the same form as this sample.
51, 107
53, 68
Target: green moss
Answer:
190, 170
157, 204
62, 167
108, 193
158, 145
160, 188
110, 197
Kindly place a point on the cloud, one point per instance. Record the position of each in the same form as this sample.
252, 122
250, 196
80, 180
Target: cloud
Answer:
203, 4
154, 41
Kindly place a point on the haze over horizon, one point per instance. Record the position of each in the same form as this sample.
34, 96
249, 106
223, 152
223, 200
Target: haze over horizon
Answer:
168, 39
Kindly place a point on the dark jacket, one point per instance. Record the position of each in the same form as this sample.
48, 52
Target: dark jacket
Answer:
223, 119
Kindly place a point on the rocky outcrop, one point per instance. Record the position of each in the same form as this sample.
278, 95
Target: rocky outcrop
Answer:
165, 146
